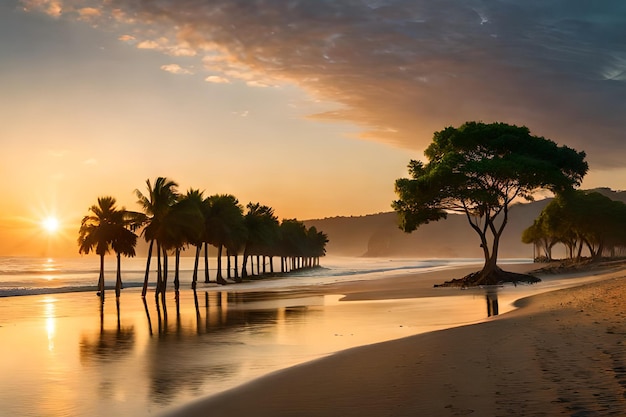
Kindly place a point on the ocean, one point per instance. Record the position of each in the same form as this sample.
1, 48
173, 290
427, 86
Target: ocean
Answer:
63, 353
33, 276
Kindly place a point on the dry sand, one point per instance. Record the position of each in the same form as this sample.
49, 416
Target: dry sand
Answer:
561, 353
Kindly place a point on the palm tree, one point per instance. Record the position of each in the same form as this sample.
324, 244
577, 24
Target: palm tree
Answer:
106, 227
224, 226
124, 239
293, 235
183, 225
262, 226
316, 246
156, 205
206, 213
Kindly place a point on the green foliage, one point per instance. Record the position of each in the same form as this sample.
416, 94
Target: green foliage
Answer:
582, 218
480, 169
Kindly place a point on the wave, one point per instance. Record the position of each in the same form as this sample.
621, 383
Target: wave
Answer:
21, 291
34, 276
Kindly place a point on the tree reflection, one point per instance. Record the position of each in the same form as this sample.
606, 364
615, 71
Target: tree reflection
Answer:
491, 296
201, 344
108, 344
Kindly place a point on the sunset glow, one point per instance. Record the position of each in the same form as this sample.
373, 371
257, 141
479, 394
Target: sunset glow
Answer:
312, 108
50, 224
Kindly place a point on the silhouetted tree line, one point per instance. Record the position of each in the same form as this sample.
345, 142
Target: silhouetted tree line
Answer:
171, 221
578, 220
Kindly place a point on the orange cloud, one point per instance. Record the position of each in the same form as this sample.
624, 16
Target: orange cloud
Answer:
176, 69
405, 68
216, 79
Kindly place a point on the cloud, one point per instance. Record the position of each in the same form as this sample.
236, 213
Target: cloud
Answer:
404, 68
216, 79
163, 44
176, 69
126, 38
148, 45
88, 13
256, 83
50, 7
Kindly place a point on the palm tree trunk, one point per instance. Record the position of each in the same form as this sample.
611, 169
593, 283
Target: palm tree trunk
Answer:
228, 264
218, 275
159, 273
244, 266
177, 271
219, 278
101, 278
194, 279
145, 281
206, 262
118, 281
236, 270
165, 272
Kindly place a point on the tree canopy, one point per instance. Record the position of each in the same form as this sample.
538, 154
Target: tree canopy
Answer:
478, 170
580, 219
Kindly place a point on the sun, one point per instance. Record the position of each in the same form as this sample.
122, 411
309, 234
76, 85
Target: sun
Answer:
50, 224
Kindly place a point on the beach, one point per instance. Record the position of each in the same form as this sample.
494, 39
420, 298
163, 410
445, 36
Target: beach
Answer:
323, 343
561, 353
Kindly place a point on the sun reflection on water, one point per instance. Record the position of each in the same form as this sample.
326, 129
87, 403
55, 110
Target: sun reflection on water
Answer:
49, 314
49, 266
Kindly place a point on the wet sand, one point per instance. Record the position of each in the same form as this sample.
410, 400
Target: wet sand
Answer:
63, 355
561, 353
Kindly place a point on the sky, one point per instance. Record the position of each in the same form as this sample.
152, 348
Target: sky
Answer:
313, 107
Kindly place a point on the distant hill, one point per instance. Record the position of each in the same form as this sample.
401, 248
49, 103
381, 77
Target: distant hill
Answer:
378, 235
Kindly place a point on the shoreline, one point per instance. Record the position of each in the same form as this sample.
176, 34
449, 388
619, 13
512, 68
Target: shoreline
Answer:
560, 352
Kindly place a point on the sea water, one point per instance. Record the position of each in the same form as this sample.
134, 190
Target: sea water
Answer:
32, 276
63, 353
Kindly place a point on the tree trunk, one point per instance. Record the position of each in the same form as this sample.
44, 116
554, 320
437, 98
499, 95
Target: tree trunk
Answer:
101, 279
228, 264
144, 290
194, 279
206, 262
159, 272
177, 271
219, 278
165, 272
236, 270
218, 274
244, 266
118, 278
580, 251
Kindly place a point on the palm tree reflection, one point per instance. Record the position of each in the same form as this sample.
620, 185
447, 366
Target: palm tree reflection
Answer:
190, 351
108, 344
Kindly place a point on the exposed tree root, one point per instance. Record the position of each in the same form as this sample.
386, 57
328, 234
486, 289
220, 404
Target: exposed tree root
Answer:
495, 277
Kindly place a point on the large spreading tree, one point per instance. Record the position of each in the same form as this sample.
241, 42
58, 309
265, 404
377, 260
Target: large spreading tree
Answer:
479, 170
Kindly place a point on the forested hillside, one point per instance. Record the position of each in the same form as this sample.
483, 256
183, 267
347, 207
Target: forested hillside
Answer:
377, 235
